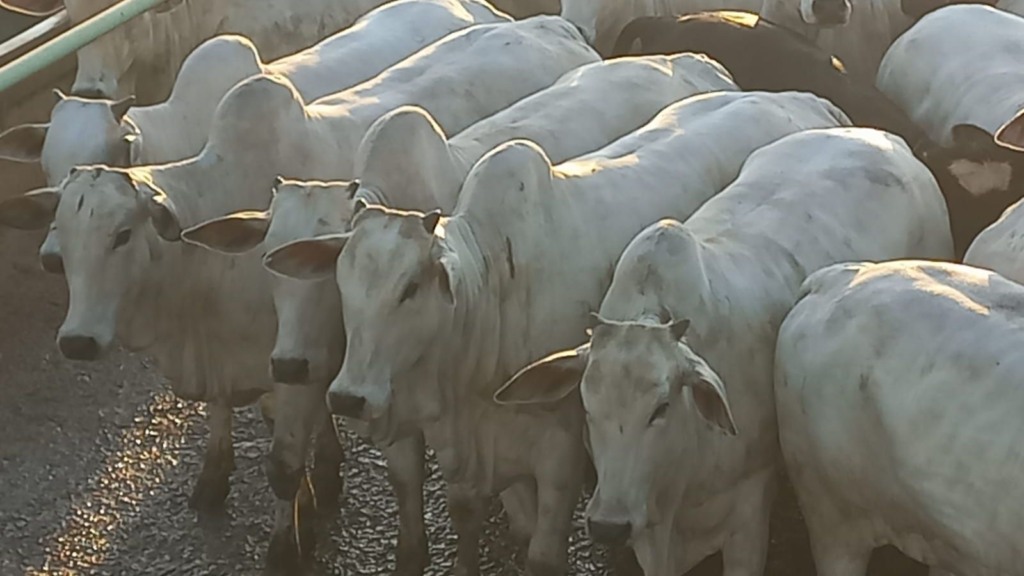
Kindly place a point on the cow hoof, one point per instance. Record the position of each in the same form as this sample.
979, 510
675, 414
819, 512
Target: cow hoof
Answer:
209, 493
328, 486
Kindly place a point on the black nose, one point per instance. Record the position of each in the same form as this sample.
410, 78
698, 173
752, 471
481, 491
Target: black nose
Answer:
608, 533
345, 404
289, 370
79, 347
830, 12
52, 263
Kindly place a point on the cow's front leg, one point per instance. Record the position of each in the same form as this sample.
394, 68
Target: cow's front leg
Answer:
328, 458
407, 473
468, 512
559, 482
746, 550
212, 487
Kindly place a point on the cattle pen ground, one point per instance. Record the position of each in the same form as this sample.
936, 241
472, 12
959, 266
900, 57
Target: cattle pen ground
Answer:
97, 460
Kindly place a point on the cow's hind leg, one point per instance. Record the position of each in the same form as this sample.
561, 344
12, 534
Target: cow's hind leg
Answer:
838, 545
212, 487
407, 473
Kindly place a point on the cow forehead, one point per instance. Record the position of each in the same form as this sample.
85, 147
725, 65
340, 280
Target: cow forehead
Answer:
91, 192
630, 360
383, 248
308, 210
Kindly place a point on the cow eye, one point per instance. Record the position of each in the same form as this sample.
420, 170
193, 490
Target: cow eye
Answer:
409, 291
659, 414
122, 238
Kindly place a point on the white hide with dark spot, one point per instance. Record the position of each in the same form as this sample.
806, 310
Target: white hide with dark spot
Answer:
898, 397
860, 43
733, 270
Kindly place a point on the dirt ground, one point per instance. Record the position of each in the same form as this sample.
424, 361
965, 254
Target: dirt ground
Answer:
97, 460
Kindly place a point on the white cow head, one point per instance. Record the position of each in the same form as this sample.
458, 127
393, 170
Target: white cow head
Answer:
106, 219
640, 383
395, 278
310, 331
81, 131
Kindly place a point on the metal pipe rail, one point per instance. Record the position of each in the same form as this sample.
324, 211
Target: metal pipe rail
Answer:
45, 55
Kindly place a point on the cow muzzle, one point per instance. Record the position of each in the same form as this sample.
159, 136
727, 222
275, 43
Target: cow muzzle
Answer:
290, 370
347, 404
77, 347
609, 532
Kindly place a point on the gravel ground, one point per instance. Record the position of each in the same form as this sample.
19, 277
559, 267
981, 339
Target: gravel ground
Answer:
97, 460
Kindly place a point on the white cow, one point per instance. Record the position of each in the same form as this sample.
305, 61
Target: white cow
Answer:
118, 228
102, 131
178, 128
898, 398
858, 31
957, 73
464, 301
143, 55
696, 307
586, 108
1000, 247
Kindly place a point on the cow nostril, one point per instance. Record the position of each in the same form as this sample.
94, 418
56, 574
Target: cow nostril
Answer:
289, 370
52, 263
346, 405
609, 533
79, 347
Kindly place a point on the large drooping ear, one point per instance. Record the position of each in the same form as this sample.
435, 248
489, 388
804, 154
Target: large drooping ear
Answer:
232, 234
30, 211
547, 380
23, 143
970, 136
708, 393
1011, 134
160, 208
120, 107
307, 259
38, 8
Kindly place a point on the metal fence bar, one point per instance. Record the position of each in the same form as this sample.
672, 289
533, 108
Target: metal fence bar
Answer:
70, 41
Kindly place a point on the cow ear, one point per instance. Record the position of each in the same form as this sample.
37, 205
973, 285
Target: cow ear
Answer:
161, 210
678, 328
446, 278
23, 143
547, 380
709, 395
30, 211
232, 234
120, 107
1011, 134
37, 8
307, 259
971, 136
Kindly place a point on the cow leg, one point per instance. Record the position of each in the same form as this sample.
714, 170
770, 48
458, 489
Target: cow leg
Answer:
267, 410
468, 512
212, 487
559, 480
293, 539
746, 550
407, 473
837, 545
296, 411
520, 503
328, 458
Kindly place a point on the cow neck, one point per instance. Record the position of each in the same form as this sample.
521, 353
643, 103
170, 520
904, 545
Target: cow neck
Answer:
467, 355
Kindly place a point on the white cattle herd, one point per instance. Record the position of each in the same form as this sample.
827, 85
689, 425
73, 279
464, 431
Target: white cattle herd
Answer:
482, 230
